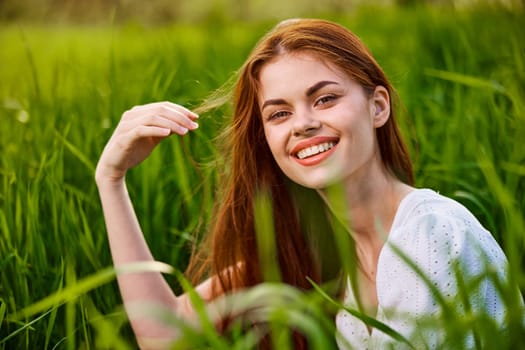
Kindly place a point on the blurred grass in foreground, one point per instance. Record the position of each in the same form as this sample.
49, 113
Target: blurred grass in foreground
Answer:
460, 76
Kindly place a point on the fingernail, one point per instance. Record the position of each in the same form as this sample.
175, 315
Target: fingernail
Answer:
183, 130
194, 125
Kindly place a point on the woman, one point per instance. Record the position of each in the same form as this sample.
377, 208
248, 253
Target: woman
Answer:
312, 110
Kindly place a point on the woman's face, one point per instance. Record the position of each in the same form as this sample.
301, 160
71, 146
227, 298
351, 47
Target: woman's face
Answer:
320, 124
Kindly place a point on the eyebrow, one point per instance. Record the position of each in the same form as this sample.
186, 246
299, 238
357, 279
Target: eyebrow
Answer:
277, 101
309, 92
314, 88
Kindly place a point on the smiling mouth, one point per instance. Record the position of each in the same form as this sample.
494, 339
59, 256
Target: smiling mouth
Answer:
316, 149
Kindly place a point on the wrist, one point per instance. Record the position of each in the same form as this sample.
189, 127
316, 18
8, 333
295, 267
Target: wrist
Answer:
105, 178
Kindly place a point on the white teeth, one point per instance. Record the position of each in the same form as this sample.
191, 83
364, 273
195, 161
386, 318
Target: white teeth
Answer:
313, 150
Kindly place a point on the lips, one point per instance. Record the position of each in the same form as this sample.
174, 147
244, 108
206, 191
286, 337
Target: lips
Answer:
314, 149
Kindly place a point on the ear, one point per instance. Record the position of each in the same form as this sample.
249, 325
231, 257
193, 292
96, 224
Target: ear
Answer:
380, 106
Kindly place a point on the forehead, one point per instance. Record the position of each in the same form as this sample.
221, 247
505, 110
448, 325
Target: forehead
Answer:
292, 71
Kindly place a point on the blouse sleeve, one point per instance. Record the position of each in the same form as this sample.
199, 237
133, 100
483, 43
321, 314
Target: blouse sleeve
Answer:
442, 246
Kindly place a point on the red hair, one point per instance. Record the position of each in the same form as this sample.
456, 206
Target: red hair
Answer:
252, 167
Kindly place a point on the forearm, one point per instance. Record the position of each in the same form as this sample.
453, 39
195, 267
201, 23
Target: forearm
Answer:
128, 245
135, 137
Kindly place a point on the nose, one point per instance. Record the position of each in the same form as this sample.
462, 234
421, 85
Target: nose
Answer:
305, 124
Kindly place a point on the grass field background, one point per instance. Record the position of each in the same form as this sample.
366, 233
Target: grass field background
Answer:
460, 75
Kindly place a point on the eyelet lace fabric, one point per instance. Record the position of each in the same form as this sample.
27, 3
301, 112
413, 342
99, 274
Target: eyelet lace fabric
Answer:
441, 237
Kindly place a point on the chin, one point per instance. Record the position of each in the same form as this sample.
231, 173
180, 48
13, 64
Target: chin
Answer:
318, 184
318, 179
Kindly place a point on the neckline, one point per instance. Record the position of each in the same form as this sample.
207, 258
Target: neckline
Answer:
401, 208
399, 219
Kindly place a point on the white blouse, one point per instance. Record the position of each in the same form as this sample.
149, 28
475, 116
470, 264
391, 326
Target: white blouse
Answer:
435, 232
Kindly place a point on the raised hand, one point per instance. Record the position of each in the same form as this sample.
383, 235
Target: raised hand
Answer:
138, 132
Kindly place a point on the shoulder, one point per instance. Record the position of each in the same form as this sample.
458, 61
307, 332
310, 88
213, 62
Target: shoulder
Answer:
435, 245
433, 235
430, 224
423, 204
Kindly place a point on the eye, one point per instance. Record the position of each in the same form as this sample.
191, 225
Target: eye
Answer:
323, 100
278, 115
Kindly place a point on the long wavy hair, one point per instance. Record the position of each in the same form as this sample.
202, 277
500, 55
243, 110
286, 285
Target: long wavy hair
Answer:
234, 255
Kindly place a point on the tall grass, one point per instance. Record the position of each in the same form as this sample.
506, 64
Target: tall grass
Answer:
460, 75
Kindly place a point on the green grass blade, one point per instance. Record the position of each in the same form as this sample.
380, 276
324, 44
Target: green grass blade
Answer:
464, 79
265, 235
370, 321
24, 327
2, 311
76, 152
89, 283
200, 308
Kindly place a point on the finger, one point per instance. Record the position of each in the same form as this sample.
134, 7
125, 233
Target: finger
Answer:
165, 122
177, 115
182, 117
154, 105
144, 131
171, 111
192, 115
